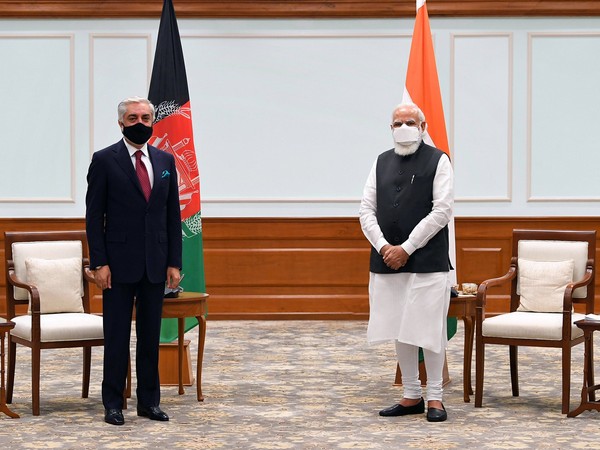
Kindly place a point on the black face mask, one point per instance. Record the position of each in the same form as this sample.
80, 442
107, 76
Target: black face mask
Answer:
138, 133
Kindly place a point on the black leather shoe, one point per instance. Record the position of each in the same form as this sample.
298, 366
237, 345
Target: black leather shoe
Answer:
114, 417
399, 410
152, 412
436, 414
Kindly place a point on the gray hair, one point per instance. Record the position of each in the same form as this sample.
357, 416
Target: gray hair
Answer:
122, 108
410, 105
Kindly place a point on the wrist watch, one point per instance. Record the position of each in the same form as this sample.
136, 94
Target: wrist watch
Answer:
98, 267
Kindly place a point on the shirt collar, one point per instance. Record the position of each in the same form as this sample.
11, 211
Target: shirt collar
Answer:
131, 149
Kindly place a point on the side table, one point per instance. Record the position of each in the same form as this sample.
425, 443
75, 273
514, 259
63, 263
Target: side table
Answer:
188, 304
462, 307
588, 391
5, 327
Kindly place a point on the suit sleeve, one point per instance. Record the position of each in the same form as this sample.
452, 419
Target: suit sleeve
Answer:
95, 202
174, 258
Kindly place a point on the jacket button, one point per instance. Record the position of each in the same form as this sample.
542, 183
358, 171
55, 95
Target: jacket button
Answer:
396, 205
399, 188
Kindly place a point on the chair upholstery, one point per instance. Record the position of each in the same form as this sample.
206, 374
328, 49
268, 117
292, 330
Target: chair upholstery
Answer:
60, 327
35, 329
532, 328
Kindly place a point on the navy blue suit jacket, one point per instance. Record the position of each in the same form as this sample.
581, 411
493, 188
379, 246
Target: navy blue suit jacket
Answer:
123, 230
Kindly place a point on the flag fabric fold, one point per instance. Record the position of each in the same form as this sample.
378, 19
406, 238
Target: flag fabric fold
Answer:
173, 133
422, 87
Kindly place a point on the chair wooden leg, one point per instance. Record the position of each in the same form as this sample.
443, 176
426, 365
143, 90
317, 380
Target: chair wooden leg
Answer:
3, 406
87, 364
35, 380
479, 363
128, 387
201, 340
514, 369
566, 378
127, 391
590, 373
10, 382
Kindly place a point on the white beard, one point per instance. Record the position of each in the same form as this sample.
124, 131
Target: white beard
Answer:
405, 150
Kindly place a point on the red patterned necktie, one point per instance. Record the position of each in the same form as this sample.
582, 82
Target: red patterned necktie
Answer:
142, 174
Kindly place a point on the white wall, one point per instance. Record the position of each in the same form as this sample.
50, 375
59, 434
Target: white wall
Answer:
289, 115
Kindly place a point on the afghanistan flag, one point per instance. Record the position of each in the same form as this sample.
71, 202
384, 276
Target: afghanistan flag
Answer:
173, 133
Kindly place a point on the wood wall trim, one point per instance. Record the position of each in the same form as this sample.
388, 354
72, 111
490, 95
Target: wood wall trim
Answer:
255, 9
316, 268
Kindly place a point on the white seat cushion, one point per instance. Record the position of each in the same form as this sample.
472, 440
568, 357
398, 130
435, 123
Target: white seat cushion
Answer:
61, 327
529, 325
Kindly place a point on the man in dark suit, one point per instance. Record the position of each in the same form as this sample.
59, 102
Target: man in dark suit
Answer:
133, 226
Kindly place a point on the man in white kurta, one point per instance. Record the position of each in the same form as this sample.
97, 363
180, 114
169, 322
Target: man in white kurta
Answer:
408, 296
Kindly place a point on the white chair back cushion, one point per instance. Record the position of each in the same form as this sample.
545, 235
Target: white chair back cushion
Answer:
58, 282
543, 283
43, 250
540, 250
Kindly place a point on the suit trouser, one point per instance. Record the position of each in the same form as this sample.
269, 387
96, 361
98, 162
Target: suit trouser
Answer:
117, 304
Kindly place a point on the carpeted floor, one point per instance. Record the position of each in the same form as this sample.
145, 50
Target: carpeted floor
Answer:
303, 385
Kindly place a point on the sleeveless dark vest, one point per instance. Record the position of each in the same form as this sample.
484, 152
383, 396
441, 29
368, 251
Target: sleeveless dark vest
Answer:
404, 197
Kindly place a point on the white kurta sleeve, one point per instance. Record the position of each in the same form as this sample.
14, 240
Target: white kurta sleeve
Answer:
368, 210
441, 213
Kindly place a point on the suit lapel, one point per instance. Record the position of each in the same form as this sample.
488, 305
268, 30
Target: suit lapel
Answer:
124, 161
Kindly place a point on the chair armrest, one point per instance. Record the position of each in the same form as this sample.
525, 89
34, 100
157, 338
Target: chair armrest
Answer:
33, 291
586, 280
12, 278
88, 275
484, 285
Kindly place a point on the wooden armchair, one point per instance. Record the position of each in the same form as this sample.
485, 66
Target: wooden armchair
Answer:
550, 271
49, 273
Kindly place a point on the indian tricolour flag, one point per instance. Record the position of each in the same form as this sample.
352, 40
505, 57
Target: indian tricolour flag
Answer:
422, 87
173, 133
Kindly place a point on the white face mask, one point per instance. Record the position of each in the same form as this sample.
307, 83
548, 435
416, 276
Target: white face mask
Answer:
406, 135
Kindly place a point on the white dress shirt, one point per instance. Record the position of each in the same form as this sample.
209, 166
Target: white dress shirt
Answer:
145, 159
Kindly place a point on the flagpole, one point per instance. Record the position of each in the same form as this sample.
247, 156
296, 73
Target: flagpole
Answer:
173, 133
